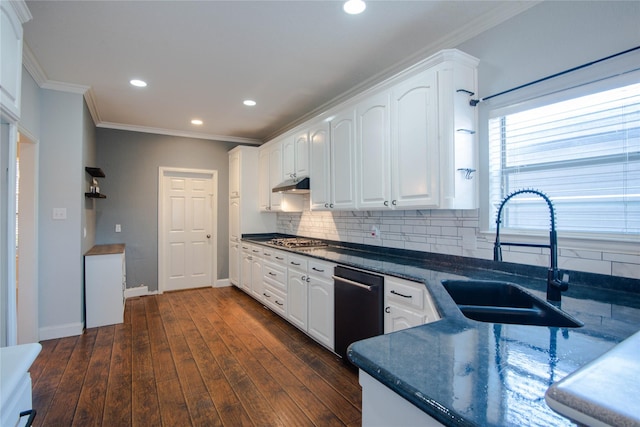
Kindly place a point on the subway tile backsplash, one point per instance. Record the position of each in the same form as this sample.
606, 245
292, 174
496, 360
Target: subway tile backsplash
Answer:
450, 232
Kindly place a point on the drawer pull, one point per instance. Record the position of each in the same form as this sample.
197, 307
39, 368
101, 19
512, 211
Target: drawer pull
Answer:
401, 295
295, 263
317, 269
279, 303
271, 273
279, 258
32, 415
255, 251
266, 254
266, 295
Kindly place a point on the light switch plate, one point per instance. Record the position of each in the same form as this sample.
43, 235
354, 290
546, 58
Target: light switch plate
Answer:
59, 213
118, 228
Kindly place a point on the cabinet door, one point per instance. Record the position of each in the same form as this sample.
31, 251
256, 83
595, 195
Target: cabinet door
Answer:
234, 263
245, 270
11, 64
288, 158
343, 169
319, 170
257, 287
397, 318
234, 174
264, 183
234, 220
414, 142
301, 143
297, 298
373, 152
321, 308
275, 174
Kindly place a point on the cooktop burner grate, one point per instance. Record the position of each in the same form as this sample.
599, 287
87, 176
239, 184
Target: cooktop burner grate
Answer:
297, 242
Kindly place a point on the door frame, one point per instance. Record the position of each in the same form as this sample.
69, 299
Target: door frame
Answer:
168, 171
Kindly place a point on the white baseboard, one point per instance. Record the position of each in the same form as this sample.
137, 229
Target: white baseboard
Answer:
61, 331
221, 283
138, 291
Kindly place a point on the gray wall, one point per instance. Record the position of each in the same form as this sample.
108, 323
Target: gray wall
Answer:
66, 141
131, 162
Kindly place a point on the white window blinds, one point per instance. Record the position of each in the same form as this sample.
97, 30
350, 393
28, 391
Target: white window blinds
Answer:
584, 153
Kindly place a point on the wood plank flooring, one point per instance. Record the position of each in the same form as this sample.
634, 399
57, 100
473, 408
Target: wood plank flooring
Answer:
203, 357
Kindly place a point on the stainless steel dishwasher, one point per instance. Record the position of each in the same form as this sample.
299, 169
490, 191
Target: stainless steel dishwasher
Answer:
359, 298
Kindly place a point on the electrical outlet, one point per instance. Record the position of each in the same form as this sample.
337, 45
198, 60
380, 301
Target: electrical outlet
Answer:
59, 213
118, 228
375, 232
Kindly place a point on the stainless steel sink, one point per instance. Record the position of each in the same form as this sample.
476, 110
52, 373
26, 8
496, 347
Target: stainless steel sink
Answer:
504, 302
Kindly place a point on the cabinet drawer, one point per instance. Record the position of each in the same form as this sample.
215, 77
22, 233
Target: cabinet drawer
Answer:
320, 269
410, 294
275, 275
297, 262
275, 300
274, 256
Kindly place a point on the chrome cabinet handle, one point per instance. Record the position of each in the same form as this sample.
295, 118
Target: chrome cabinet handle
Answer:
331, 205
386, 203
304, 278
393, 202
308, 279
326, 205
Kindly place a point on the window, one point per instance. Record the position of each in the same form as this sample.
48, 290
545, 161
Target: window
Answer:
584, 153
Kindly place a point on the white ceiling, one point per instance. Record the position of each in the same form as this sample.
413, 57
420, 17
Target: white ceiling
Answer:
201, 59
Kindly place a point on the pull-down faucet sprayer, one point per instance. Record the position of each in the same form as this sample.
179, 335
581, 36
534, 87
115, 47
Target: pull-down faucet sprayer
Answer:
555, 285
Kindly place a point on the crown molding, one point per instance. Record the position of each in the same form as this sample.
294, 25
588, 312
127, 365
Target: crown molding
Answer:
21, 10
473, 28
31, 64
92, 105
184, 134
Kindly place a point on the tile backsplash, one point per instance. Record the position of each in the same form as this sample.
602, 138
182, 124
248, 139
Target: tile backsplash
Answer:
451, 232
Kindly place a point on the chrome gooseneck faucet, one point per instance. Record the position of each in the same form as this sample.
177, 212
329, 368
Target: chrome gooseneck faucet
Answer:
555, 285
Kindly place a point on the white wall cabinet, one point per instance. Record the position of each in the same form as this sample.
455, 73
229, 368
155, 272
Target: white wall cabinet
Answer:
373, 152
320, 170
12, 16
407, 304
105, 282
271, 174
295, 155
245, 215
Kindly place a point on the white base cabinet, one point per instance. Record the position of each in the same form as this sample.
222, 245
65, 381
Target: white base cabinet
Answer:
15, 383
406, 304
382, 407
105, 282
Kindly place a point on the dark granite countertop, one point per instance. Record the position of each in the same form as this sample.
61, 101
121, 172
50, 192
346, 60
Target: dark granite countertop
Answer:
464, 372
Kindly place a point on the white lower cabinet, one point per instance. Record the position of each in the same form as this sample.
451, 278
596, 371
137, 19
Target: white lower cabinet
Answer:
274, 281
251, 271
105, 281
297, 292
382, 407
406, 304
320, 302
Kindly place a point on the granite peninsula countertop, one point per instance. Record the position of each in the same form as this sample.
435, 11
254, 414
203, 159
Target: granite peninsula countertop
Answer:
463, 372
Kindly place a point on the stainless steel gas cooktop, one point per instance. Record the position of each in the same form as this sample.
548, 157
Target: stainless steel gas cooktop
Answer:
296, 242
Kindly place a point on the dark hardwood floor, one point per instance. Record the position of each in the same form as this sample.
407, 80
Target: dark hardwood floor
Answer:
203, 357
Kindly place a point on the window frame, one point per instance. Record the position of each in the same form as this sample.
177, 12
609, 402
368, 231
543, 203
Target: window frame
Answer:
569, 86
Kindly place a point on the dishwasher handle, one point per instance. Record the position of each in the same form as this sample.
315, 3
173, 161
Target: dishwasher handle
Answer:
351, 282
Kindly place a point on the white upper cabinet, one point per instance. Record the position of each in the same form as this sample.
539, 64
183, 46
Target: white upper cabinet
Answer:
12, 16
270, 161
414, 142
234, 174
342, 163
295, 156
373, 152
319, 170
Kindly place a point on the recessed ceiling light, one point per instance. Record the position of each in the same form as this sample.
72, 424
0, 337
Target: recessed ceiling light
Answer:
197, 122
249, 102
138, 83
354, 7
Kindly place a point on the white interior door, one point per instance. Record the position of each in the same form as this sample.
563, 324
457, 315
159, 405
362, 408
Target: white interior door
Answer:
187, 238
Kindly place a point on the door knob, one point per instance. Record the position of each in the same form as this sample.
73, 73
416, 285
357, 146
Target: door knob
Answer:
208, 236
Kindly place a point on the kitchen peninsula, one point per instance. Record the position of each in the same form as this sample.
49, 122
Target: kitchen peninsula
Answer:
457, 371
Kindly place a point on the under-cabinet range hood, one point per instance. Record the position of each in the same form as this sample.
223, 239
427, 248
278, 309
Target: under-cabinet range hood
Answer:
293, 186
